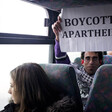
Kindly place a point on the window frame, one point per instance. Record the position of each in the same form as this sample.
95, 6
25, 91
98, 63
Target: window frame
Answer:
12, 38
9, 38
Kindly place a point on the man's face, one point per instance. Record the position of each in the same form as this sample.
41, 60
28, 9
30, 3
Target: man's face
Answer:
91, 62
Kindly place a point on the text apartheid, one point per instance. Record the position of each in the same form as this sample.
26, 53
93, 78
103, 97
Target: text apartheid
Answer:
88, 33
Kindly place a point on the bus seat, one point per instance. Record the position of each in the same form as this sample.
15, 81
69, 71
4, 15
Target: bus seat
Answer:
100, 97
107, 59
63, 77
77, 61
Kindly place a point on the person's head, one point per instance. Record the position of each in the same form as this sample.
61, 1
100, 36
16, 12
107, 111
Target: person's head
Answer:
91, 61
109, 52
30, 87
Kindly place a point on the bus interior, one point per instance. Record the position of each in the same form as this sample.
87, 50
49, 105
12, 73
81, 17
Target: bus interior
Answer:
26, 36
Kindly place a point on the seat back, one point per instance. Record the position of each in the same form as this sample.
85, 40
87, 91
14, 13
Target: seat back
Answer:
77, 61
63, 76
100, 97
107, 59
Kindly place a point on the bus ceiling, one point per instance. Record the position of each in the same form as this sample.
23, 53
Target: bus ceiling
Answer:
56, 5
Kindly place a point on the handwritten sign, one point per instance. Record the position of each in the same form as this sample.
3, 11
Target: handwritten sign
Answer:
86, 29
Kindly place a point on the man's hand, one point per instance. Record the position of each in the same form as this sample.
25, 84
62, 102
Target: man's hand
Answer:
56, 27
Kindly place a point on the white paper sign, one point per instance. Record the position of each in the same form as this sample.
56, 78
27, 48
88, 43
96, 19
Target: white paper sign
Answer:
86, 29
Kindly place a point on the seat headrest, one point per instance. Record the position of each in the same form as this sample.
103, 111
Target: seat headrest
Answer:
107, 59
100, 97
63, 76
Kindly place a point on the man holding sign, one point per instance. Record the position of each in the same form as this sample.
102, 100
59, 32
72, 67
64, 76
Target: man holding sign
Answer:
90, 63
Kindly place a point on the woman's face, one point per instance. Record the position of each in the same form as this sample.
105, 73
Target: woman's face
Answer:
13, 92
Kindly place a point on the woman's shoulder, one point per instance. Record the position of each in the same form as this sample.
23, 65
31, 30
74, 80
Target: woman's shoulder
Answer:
9, 108
66, 104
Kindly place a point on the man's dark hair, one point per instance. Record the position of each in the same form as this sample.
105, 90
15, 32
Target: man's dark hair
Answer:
100, 55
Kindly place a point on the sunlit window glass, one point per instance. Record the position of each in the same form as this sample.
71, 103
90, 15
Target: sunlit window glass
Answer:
17, 16
20, 17
73, 55
14, 55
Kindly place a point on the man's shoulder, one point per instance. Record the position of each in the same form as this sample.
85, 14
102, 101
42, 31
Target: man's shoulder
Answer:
78, 69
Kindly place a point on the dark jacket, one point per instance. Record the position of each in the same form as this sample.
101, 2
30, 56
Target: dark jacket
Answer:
66, 104
9, 108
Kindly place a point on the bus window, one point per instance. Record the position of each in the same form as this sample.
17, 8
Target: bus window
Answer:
19, 17
73, 55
